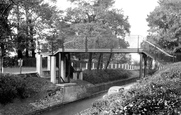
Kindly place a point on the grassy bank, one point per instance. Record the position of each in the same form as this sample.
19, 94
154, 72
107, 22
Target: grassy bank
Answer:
23, 94
158, 94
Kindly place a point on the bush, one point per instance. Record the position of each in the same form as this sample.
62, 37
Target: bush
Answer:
100, 105
11, 87
151, 71
101, 76
23, 86
35, 85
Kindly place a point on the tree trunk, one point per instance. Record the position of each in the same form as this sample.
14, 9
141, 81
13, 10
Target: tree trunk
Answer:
27, 33
101, 65
20, 54
18, 18
99, 61
33, 53
86, 45
109, 59
90, 61
18, 28
27, 53
31, 37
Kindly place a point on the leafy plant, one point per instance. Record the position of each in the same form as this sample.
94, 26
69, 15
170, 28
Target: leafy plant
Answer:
158, 94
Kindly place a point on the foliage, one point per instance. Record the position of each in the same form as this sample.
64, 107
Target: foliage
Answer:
101, 76
151, 71
11, 87
29, 20
96, 25
22, 87
155, 95
5, 7
164, 24
27, 62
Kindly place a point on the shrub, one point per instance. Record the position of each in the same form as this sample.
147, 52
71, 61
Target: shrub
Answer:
151, 71
11, 87
101, 76
35, 85
100, 105
23, 86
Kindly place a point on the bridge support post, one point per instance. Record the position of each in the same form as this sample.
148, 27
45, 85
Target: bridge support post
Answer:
48, 63
63, 67
145, 64
69, 67
53, 69
93, 65
141, 66
59, 65
39, 63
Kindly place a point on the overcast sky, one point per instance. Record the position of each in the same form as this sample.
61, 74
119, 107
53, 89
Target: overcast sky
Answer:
137, 10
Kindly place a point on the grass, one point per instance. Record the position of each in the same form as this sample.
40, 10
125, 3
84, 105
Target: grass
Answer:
17, 69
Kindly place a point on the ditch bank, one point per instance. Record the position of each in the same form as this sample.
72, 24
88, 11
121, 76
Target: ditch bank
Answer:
72, 92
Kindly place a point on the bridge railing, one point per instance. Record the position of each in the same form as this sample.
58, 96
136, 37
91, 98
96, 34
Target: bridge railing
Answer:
157, 53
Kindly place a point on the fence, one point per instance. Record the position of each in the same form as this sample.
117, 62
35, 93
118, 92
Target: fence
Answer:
84, 66
157, 53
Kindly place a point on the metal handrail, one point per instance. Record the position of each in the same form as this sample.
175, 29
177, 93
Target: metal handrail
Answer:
166, 53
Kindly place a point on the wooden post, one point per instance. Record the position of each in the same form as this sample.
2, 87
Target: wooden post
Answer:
75, 75
81, 75
53, 69
86, 65
103, 66
112, 66
116, 66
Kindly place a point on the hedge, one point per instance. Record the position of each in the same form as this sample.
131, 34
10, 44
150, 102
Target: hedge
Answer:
158, 94
11, 87
101, 76
27, 62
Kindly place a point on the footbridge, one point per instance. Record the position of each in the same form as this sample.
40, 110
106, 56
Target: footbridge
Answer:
61, 59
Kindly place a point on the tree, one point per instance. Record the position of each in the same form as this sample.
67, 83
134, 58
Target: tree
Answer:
5, 7
30, 19
165, 23
96, 25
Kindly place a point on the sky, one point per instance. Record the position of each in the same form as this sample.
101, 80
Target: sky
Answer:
137, 11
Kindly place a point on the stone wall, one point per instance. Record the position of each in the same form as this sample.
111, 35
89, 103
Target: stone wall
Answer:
74, 92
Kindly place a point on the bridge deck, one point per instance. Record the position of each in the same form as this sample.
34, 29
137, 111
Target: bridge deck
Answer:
128, 50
